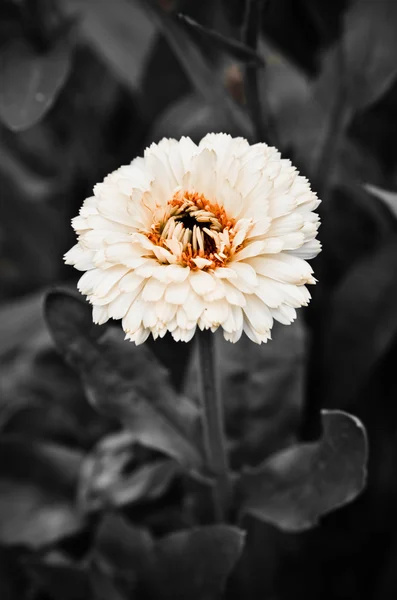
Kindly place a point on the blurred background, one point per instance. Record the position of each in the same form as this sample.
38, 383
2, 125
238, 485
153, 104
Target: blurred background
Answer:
85, 86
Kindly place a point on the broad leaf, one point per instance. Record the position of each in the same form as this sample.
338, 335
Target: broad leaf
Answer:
112, 475
370, 45
295, 487
125, 381
61, 579
122, 34
30, 81
189, 116
203, 78
190, 564
193, 564
38, 483
361, 324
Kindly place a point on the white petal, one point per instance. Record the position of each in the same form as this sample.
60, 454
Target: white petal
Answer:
253, 249
140, 336
201, 262
203, 175
165, 312
120, 305
258, 314
133, 319
183, 335
232, 337
182, 319
202, 282
149, 319
89, 281
130, 282
153, 290
225, 273
260, 228
216, 312
281, 205
284, 314
233, 295
177, 293
308, 250
170, 273
245, 273
283, 267
194, 306
100, 314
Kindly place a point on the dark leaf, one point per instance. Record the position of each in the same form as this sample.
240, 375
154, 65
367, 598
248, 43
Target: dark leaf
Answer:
203, 78
107, 480
103, 587
361, 324
60, 579
30, 81
121, 34
190, 564
125, 381
193, 564
38, 485
370, 46
189, 116
13, 582
233, 47
294, 488
122, 546
387, 197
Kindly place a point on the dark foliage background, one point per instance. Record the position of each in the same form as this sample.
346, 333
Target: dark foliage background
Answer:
85, 85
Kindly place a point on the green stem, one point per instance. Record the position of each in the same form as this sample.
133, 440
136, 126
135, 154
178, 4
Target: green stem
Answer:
213, 426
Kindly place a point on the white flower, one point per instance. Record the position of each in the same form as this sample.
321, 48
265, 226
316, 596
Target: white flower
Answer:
214, 235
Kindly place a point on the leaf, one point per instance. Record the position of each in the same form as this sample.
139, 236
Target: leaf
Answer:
203, 78
190, 564
189, 116
121, 33
355, 73
62, 580
295, 487
125, 381
193, 564
233, 47
103, 587
370, 45
123, 546
37, 491
30, 81
388, 198
361, 324
107, 480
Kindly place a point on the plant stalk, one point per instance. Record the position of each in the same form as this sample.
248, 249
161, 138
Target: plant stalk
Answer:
250, 36
213, 427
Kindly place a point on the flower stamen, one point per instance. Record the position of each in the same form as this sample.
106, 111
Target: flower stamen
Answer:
197, 224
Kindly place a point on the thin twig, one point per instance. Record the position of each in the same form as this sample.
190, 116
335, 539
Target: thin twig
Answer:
233, 47
250, 35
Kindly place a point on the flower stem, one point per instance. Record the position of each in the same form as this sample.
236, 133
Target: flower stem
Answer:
213, 426
250, 35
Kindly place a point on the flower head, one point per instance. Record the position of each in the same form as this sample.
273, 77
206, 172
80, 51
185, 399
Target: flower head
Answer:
214, 235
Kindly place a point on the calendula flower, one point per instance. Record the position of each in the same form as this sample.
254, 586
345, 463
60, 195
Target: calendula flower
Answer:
209, 235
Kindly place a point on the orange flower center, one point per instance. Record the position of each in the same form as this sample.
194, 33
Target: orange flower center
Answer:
194, 228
